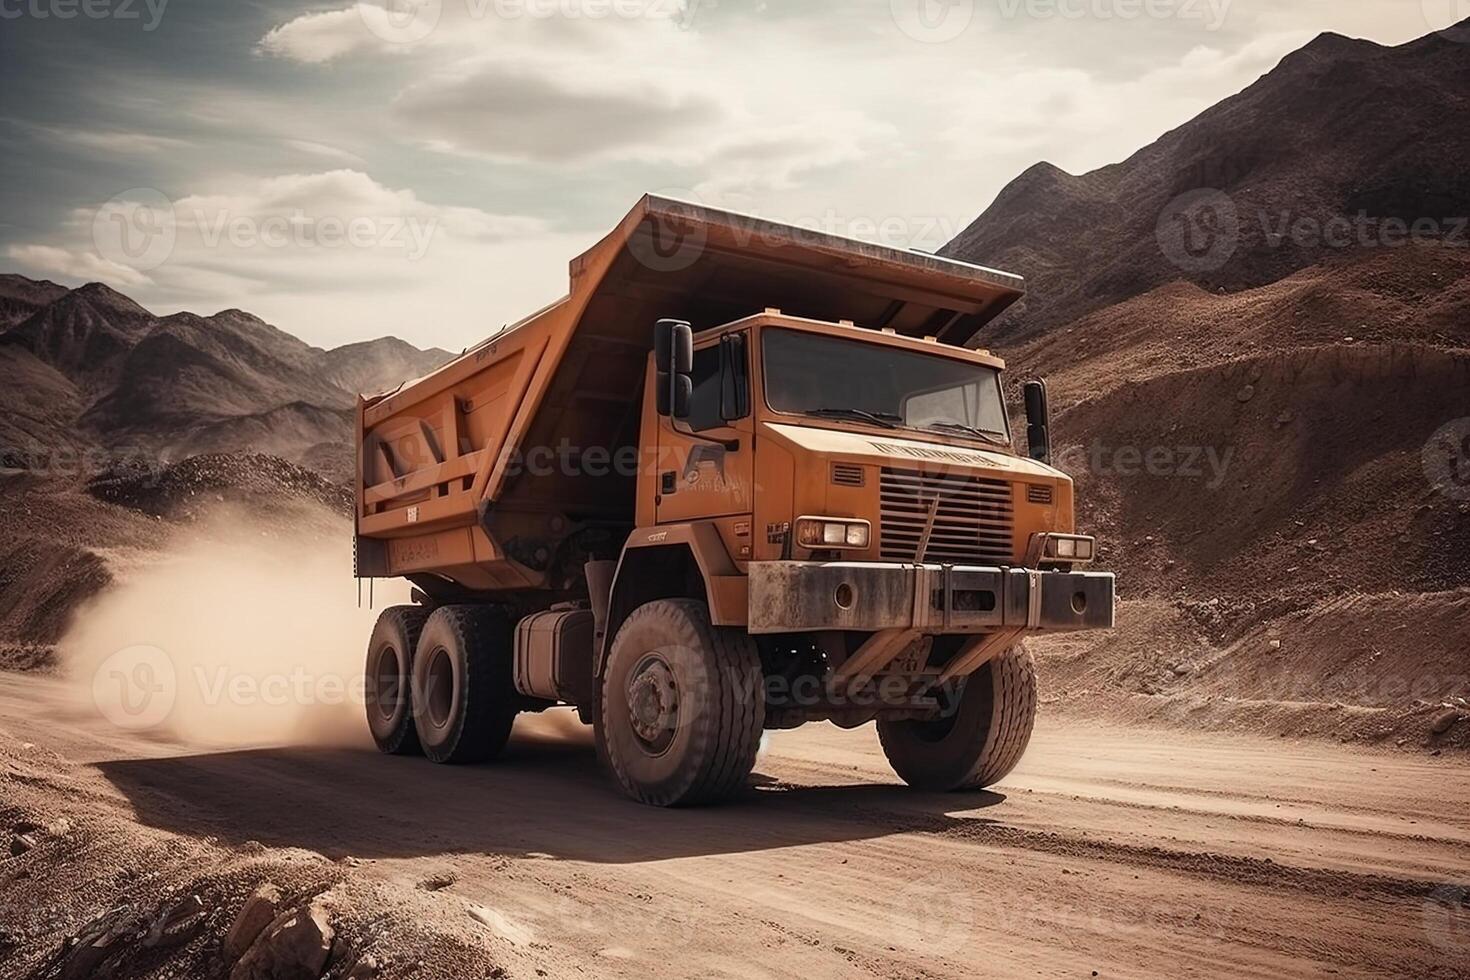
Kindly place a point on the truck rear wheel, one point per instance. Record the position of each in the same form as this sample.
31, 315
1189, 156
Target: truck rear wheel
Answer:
980, 741
464, 698
389, 660
682, 705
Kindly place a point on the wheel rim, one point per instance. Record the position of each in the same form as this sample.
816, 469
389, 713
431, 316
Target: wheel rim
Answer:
388, 683
653, 703
439, 697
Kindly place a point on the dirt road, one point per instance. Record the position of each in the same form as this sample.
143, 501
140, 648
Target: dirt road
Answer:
1123, 852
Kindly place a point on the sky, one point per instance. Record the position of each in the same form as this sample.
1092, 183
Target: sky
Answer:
426, 168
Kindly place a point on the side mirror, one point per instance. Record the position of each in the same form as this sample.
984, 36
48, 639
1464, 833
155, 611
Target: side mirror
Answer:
673, 359
1038, 420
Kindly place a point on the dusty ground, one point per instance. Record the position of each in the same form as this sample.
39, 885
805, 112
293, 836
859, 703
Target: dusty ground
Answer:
1109, 852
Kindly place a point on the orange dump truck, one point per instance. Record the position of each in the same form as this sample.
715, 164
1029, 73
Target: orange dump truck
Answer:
743, 476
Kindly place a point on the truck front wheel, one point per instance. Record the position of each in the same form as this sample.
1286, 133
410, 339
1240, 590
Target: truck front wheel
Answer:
389, 660
976, 743
682, 705
464, 697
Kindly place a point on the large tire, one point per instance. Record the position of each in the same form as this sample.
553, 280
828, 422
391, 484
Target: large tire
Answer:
464, 698
682, 705
389, 679
977, 744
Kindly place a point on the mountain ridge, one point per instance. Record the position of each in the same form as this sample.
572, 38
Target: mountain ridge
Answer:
1335, 129
90, 367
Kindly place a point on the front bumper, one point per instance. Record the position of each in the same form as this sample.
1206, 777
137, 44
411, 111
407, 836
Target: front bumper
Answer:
794, 596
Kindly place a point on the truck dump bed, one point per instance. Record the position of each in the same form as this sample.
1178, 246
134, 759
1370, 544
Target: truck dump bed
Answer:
443, 461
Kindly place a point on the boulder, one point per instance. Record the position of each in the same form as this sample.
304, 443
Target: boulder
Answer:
293, 947
1444, 721
259, 911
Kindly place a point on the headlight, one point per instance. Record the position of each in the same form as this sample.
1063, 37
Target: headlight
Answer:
832, 532
1070, 547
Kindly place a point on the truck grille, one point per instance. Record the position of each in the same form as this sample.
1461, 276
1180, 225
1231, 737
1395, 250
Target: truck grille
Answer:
974, 523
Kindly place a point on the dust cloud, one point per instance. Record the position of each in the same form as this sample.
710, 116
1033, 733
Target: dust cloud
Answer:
241, 634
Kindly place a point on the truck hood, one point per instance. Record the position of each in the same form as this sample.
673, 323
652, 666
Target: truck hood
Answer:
895, 448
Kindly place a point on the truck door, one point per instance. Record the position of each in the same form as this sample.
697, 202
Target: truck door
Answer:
706, 462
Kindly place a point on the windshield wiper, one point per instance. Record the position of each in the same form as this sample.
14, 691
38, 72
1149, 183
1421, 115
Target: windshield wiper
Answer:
989, 435
886, 419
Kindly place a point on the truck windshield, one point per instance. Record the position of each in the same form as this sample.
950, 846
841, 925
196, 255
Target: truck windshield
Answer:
832, 377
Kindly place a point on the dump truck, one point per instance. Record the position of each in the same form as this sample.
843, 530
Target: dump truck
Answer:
743, 476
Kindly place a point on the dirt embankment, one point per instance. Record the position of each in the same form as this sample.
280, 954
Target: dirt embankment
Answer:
1277, 464
91, 895
1287, 560
58, 549
183, 491
1376, 669
41, 582
1278, 478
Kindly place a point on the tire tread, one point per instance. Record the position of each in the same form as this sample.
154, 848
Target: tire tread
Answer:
489, 698
409, 622
1013, 679
997, 748
726, 750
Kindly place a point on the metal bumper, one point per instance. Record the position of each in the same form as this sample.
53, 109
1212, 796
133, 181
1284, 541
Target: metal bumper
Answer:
793, 597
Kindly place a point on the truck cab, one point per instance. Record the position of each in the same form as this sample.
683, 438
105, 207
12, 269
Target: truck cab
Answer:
814, 449
737, 522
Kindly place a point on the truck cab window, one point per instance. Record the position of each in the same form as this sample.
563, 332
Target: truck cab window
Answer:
812, 373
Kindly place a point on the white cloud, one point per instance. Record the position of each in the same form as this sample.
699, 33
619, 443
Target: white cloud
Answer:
338, 196
400, 27
75, 266
1082, 121
548, 83
777, 158
519, 113
319, 37
362, 257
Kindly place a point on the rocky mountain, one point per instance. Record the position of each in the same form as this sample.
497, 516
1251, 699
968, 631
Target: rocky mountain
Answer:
20, 297
1346, 145
377, 365
89, 367
1257, 333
